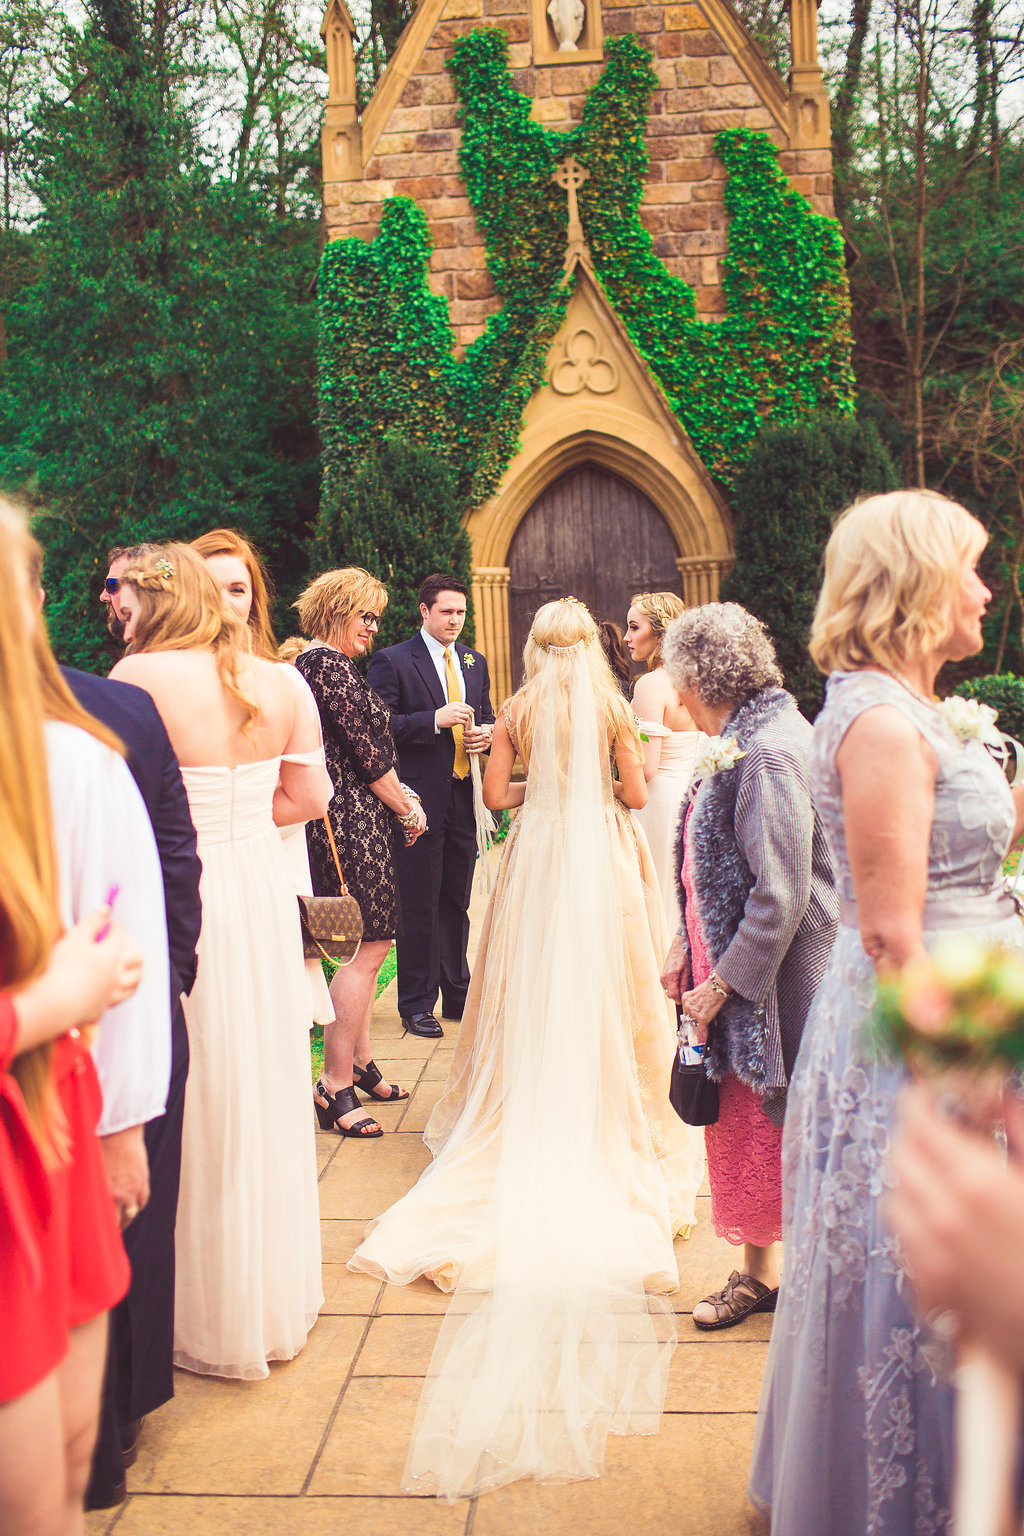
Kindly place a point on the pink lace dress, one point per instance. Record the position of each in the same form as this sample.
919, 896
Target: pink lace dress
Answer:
744, 1148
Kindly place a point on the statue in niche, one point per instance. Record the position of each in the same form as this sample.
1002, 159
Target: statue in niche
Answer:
567, 18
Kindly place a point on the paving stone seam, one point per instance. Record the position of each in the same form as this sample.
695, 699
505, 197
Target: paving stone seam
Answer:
338, 1401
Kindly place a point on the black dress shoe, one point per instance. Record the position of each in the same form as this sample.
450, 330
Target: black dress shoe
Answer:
130, 1442
422, 1024
105, 1498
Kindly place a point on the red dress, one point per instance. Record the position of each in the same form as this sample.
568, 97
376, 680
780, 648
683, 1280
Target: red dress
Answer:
744, 1148
62, 1261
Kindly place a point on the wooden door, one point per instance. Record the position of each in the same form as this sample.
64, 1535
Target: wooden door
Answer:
592, 536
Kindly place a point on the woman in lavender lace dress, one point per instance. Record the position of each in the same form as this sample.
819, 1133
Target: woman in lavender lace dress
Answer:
854, 1431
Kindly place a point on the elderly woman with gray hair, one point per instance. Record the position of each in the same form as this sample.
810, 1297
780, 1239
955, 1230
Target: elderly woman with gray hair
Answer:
759, 917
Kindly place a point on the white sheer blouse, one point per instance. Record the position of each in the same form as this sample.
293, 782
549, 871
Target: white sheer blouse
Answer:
104, 838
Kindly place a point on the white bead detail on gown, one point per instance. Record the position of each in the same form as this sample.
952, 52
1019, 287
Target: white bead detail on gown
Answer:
560, 1172
247, 1240
660, 816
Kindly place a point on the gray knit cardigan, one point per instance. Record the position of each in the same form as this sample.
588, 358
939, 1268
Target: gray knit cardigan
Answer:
765, 890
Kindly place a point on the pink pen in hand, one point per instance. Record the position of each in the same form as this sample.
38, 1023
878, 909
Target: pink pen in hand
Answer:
109, 904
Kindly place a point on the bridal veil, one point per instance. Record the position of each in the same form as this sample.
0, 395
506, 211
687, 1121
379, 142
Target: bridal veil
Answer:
546, 1208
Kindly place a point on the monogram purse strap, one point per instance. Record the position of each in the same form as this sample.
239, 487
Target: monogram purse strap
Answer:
337, 861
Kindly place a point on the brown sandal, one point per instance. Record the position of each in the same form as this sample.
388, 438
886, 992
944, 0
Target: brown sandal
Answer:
742, 1296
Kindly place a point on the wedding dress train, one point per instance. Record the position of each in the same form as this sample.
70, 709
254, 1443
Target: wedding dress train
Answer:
560, 1173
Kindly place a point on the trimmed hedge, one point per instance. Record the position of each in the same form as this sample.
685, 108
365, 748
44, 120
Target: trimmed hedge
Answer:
398, 517
795, 482
1005, 692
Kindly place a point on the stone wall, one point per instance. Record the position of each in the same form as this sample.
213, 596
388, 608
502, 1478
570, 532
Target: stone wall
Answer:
703, 88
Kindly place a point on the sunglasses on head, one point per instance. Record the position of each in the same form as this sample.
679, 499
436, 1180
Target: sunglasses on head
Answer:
112, 584
371, 620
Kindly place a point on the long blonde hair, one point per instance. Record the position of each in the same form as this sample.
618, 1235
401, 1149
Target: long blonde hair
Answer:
556, 627
659, 609
181, 609
892, 572
227, 541
29, 913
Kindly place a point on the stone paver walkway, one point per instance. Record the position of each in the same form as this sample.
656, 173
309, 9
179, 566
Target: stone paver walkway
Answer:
318, 1448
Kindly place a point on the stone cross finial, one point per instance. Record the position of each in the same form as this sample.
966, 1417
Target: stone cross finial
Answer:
570, 175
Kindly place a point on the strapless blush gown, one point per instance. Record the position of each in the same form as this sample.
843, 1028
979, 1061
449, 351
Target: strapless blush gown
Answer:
660, 816
248, 1232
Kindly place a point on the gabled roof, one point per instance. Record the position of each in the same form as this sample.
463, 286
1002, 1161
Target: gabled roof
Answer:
719, 14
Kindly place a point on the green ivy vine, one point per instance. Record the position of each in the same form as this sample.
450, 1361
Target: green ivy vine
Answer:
386, 358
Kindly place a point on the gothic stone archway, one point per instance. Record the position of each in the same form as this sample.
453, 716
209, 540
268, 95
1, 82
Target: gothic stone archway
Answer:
594, 535
601, 418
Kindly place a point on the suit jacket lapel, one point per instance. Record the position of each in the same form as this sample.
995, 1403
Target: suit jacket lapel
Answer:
425, 667
473, 695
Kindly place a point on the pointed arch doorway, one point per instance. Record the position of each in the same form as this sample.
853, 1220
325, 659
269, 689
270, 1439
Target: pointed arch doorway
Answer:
595, 536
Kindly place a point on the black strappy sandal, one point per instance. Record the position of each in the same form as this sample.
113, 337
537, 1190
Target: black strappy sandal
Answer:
366, 1079
342, 1103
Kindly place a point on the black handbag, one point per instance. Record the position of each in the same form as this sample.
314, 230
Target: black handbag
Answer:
692, 1094
332, 926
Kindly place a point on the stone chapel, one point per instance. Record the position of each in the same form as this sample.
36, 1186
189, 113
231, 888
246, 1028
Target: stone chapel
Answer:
606, 495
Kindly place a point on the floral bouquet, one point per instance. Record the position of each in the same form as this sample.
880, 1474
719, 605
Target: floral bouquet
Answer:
961, 1008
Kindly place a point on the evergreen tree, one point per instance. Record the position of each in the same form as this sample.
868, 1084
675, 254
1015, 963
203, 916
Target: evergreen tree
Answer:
160, 373
400, 520
786, 498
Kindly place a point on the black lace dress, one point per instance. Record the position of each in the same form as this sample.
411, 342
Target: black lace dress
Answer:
360, 749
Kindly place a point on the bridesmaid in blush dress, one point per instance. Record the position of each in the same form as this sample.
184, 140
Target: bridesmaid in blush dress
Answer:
248, 1240
246, 588
671, 740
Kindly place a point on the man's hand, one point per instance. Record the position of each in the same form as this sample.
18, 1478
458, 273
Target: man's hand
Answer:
124, 1153
675, 973
477, 738
453, 714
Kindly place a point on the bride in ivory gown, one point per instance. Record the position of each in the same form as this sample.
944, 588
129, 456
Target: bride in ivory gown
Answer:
560, 1173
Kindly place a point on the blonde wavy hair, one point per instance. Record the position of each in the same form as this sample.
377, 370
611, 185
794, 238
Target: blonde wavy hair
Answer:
892, 572
330, 601
227, 541
659, 609
181, 609
29, 913
558, 627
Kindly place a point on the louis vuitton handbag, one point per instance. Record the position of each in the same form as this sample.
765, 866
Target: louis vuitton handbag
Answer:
332, 926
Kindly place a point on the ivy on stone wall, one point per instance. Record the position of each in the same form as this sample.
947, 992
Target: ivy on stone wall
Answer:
781, 351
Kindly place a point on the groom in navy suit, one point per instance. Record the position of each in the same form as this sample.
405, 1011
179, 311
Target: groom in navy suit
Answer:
438, 693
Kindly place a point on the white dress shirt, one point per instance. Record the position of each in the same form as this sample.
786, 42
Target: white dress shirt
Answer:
103, 837
436, 651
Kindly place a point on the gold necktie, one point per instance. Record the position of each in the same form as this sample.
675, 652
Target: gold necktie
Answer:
455, 697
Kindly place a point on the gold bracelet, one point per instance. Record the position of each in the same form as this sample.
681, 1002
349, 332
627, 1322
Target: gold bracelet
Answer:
719, 986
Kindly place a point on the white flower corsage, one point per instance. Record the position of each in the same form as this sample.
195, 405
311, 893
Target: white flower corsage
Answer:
469, 660
717, 756
970, 720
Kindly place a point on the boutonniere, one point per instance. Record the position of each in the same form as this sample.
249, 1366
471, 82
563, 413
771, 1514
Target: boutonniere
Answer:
970, 720
717, 756
469, 660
